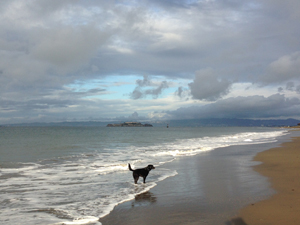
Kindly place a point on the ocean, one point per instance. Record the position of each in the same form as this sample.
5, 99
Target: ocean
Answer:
76, 175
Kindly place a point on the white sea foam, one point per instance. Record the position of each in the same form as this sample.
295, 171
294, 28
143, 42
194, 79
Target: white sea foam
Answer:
79, 221
194, 146
109, 168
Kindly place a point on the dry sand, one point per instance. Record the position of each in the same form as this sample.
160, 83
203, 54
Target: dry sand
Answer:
282, 166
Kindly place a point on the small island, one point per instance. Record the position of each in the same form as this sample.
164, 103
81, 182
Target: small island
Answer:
129, 124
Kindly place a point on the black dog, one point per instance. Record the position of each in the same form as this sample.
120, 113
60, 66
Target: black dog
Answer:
140, 172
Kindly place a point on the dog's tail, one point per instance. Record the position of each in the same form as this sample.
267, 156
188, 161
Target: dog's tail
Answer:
129, 167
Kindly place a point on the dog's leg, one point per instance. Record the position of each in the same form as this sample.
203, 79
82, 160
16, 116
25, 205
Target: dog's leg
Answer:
136, 178
144, 179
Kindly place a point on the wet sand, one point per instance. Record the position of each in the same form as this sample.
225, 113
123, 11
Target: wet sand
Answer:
210, 188
282, 166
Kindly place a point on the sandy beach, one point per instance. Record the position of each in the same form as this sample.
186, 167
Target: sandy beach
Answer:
212, 187
282, 166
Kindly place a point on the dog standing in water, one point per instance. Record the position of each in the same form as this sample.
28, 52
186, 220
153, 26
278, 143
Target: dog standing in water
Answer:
140, 172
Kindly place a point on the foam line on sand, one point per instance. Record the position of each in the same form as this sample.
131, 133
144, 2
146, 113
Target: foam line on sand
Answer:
282, 166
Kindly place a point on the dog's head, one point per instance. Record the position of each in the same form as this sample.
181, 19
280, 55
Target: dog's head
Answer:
150, 167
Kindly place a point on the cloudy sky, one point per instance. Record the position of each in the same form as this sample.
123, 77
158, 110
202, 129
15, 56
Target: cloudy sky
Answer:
79, 60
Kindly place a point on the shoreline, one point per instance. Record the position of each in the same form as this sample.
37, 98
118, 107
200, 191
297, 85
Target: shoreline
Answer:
282, 166
210, 188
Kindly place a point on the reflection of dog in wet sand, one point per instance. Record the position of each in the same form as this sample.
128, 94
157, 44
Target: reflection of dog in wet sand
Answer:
140, 172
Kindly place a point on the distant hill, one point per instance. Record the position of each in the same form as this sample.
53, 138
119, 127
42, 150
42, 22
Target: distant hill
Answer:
216, 122
61, 124
212, 122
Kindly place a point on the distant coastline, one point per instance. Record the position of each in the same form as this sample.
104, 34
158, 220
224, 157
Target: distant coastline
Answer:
129, 124
208, 122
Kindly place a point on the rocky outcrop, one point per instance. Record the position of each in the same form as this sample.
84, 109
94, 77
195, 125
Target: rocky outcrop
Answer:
129, 124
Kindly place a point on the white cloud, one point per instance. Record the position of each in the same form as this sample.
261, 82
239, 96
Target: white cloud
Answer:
141, 92
285, 68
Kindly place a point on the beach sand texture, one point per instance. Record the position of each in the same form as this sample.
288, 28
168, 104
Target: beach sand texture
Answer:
282, 166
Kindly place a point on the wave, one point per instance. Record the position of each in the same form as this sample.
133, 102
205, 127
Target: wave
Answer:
189, 147
82, 188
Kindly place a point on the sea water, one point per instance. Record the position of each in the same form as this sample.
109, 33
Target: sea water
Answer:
76, 175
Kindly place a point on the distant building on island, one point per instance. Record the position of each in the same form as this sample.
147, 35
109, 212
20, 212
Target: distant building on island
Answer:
129, 124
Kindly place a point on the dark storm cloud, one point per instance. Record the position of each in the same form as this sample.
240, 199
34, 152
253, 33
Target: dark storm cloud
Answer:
52, 100
276, 105
32, 105
207, 86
